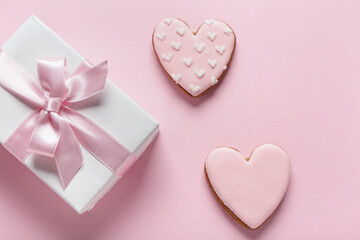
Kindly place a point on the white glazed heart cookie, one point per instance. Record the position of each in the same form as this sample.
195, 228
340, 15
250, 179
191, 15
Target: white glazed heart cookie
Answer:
195, 61
249, 189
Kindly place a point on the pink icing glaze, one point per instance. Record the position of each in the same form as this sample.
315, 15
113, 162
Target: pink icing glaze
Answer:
252, 189
195, 62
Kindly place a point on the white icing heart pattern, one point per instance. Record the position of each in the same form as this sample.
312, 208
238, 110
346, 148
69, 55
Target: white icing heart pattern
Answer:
195, 61
176, 77
209, 21
167, 57
199, 73
188, 61
214, 80
194, 88
160, 36
168, 21
211, 36
221, 49
199, 47
180, 31
212, 63
176, 45
227, 31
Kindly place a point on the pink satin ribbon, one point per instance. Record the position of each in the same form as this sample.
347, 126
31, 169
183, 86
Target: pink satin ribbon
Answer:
54, 129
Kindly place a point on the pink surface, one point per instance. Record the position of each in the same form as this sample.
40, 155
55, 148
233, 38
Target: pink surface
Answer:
194, 61
252, 187
294, 81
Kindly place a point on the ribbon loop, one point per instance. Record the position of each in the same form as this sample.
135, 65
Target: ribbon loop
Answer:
86, 84
52, 75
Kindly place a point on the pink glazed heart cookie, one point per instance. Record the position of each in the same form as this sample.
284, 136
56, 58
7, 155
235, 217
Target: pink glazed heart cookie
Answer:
249, 189
194, 61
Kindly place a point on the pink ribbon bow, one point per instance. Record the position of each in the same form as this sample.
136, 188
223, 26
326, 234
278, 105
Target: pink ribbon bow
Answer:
54, 129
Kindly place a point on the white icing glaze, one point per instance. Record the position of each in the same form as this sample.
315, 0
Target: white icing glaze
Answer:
225, 67
214, 80
194, 88
219, 49
168, 21
176, 77
212, 63
209, 21
227, 31
176, 45
180, 31
211, 36
199, 73
167, 57
160, 36
187, 61
199, 47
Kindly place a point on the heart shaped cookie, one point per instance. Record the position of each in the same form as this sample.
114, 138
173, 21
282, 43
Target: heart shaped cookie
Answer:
194, 61
249, 189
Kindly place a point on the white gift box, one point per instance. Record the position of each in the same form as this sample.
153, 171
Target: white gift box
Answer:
114, 112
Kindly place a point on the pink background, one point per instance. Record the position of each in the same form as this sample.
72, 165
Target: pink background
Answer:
294, 81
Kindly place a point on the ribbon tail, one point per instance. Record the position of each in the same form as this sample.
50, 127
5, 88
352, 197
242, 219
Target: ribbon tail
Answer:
98, 142
46, 134
53, 137
18, 141
68, 156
